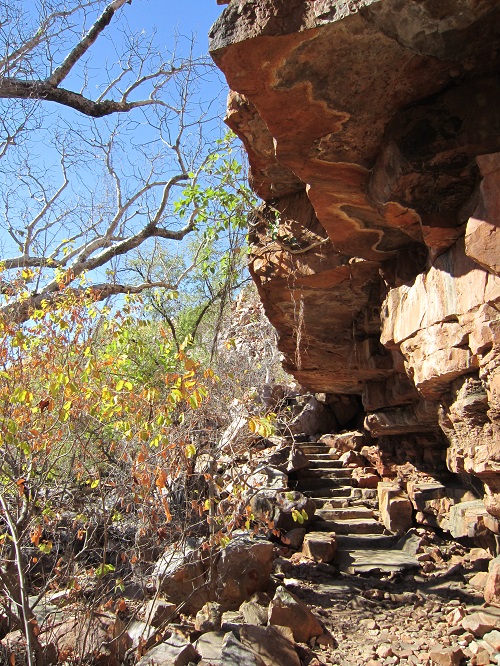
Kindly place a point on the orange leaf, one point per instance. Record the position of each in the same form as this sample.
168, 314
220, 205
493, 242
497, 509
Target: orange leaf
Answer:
161, 479
36, 535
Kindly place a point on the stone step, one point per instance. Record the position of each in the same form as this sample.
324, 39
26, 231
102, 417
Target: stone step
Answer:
331, 502
314, 484
324, 473
365, 541
375, 560
313, 449
326, 493
353, 526
324, 463
345, 513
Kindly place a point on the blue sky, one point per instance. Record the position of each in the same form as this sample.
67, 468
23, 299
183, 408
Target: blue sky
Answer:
167, 16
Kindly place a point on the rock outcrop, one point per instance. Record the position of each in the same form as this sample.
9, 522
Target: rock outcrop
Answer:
373, 134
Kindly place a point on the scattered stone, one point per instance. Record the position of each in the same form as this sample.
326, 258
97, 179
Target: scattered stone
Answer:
479, 624
493, 639
446, 656
478, 582
288, 611
480, 656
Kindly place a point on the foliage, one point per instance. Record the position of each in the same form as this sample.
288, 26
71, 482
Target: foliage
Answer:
78, 410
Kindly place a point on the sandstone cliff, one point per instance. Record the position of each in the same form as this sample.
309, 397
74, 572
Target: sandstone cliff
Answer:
373, 133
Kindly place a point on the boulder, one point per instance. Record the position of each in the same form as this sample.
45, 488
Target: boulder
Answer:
344, 441
91, 638
270, 644
279, 507
294, 538
243, 568
159, 611
267, 476
288, 611
209, 646
479, 623
235, 653
467, 519
179, 575
313, 419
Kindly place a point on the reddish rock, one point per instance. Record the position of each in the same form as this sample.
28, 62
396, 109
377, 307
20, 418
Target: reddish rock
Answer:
492, 585
319, 546
288, 611
395, 508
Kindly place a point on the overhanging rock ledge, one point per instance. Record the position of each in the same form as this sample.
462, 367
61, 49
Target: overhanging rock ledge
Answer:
373, 133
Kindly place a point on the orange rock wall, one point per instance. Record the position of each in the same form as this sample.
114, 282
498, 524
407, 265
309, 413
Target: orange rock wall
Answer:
373, 134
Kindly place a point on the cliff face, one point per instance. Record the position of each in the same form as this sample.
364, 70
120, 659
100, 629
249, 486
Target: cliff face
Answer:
373, 133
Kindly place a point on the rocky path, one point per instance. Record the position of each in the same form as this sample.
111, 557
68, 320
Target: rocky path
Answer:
380, 607
362, 543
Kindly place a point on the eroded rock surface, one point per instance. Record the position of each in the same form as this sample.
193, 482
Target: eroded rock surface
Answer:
373, 134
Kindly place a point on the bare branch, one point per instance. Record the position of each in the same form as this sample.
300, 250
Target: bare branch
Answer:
80, 49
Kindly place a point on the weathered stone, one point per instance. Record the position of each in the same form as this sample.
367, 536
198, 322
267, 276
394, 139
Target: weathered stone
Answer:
243, 568
235, 653
478, 582
366, 477
442, 656
314, 419
395, 508
255, 610
479, 623
278, 507
173, 655
320, 546
492, 585
209, 646
159, 611
288, 611
209, 618
180, 575
270, 644
91, 638
467, 519
345, 441
295, 537
493, 638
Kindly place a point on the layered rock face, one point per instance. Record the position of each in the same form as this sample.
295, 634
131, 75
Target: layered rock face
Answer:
373, 133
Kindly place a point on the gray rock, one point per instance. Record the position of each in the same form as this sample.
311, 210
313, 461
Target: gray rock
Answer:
235, 653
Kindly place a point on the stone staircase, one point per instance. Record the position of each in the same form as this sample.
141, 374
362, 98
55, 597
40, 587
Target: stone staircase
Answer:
363, 543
